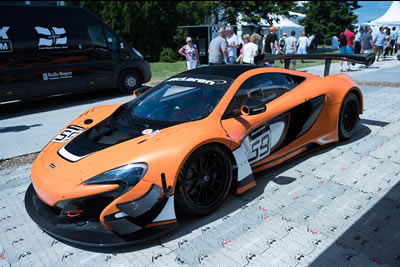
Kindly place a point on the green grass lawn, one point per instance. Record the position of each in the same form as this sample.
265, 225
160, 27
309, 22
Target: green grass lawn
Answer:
163, 70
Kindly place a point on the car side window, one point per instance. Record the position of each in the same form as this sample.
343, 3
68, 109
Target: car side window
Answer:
112, 40
97, 37
263, 87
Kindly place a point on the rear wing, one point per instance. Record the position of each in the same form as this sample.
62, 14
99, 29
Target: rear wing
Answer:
366, 59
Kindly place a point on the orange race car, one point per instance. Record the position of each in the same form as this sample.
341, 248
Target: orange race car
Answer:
116, 174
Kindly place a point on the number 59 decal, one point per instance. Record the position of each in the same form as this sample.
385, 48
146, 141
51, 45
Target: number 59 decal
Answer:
258, 144
68, 133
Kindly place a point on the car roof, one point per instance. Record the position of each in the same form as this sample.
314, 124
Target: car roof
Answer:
228, 71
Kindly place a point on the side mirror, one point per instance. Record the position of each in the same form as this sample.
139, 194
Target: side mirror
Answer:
253, 107
141, 90
124, 50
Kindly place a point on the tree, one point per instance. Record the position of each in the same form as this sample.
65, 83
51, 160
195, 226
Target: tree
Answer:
254, 11
152, 26
328, 18
299, 8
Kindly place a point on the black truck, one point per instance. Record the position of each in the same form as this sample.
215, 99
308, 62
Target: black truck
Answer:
49, 50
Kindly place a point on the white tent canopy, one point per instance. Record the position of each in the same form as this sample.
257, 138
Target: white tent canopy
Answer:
390, 18
284, 25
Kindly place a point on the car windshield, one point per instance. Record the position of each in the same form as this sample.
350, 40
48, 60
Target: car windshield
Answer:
177, 103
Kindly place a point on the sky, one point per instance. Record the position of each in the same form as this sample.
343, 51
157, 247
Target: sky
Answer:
371, 10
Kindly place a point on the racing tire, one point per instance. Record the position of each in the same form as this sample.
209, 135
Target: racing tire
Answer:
349, 117
129, 80
204, 181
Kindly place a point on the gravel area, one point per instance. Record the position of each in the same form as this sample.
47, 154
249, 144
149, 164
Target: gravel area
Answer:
18, 161
376, 83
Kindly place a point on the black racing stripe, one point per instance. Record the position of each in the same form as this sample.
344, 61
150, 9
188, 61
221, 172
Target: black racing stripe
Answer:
245, 181
110, 132
308, 146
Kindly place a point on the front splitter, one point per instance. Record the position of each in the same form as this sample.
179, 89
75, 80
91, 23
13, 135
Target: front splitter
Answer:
91, 234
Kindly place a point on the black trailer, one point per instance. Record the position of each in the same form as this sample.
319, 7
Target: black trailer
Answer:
47, 50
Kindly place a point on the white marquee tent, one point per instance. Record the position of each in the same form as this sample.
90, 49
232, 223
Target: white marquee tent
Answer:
390, 18
284, 25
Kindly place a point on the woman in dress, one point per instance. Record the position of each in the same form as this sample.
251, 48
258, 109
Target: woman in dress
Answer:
189, 50
302, 44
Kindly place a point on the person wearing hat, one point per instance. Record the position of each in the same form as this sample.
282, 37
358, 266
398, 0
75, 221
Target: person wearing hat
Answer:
271, 43
189, 50
282, 42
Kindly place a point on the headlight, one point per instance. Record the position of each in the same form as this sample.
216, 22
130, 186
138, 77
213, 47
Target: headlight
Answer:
129, 174
137, 53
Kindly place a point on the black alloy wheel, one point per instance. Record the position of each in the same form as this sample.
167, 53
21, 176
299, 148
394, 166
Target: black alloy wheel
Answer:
204, 181
129, 80
349, 116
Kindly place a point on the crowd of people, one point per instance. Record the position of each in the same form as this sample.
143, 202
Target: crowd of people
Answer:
384, 43
224, 48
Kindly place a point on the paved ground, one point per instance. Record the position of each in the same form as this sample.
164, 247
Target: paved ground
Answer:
27, 127
335, 206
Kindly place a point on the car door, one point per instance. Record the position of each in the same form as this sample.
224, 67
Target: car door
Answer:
258, 135
103, 57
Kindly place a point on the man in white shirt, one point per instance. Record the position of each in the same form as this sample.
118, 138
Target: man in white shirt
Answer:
232, 44
290, 49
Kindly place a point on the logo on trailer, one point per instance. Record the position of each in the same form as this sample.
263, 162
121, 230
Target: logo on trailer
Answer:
54, 37
5, 44
57, 75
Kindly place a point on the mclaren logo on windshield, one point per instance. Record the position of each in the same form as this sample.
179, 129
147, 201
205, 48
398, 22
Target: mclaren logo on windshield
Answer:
196, 80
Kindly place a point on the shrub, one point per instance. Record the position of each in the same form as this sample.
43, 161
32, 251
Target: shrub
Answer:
168, 55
